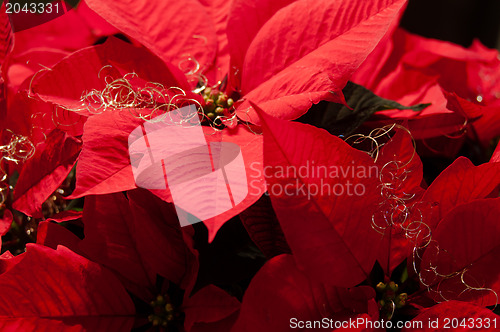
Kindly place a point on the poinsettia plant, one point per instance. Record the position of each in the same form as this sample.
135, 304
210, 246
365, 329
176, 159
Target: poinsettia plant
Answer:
351, 166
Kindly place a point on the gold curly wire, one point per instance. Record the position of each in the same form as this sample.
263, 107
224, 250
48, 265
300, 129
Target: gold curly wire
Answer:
18, 149
30, 86
398, 210
437, 278
395, 209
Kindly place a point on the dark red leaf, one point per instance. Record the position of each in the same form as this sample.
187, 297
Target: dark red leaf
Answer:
161, 243
460, 262
110, 241
86, 324
5, 222
209, 305
6, 35
59, 283
326, 223
45, 171
264, 229
51, 235
281, 291
460, 183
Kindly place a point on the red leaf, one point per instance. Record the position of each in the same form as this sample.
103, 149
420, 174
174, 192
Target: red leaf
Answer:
104, 166
219, 13
51, 235
8, 261
417, 68
400, 151
495, 157
460, 262
172, 30
86, 324
460, 183
488, 126
6, 35
401, 172
45, 171
161, 242
59, 283
454, 312
280, 291
22, 65
252, 16
264, 229
5, 222
411, 86
221, 326
110, 241
296, 60
467, 109
82, 71
6, 44
328, 230
66, 215
250, 145
209, 305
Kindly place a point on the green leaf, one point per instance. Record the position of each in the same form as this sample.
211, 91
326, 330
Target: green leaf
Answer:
340, 120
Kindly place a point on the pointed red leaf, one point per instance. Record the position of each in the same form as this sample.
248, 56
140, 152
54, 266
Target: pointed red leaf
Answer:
219, 14
209, 305
296, 60
460, 183
109, 240
161, 242
264, 229
460, 262
6, 44
324, 193
280, 291
252, 16
50, 234
6, 34
173, 30
59, 283
83, 71
453, 316
104, 165
250, 145
45, 171
6, 218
